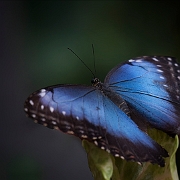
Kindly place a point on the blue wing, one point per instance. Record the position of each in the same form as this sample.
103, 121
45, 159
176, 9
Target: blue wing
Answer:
87, 113
150, 85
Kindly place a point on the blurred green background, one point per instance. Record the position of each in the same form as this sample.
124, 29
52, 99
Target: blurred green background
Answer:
34, 37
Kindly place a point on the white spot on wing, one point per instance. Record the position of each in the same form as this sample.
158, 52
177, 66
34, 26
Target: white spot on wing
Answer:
116, 155
51, 109
176, 64
139, 60
42, 107
131, 60
64, 113
77, 117
155, 59
96, 143
81, 131
159, 70
121, 157
45, 124
107, 150
54, 122
102, 147
26, 109
161, 77
43, 119
31, 102
70, 132
42, 93
170, 59
83, 136
33, 115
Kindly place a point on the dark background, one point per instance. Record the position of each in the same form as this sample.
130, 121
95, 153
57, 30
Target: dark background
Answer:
34, 37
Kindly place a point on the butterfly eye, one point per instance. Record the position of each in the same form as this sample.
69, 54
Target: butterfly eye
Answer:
95, 82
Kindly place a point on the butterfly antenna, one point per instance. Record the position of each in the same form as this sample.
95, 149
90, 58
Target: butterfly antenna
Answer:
94, 58
82, 61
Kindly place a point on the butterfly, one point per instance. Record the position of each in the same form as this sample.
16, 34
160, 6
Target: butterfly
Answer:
143, 91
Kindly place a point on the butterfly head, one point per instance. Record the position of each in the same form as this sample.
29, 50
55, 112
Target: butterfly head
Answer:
96, 83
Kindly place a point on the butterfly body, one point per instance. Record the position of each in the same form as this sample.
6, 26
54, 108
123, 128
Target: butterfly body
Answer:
106, 113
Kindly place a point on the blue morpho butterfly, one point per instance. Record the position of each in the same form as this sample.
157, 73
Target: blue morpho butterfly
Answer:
143, 90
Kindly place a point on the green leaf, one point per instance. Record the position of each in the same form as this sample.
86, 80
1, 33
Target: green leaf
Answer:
100, 162
106, 167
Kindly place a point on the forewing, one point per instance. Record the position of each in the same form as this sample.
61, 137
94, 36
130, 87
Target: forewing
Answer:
85, 112
150, 86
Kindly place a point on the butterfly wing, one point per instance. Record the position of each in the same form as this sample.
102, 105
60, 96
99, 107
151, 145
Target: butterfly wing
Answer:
87, 113
150, 85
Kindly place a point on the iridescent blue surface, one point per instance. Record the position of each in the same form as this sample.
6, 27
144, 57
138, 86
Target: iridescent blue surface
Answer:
143, 90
